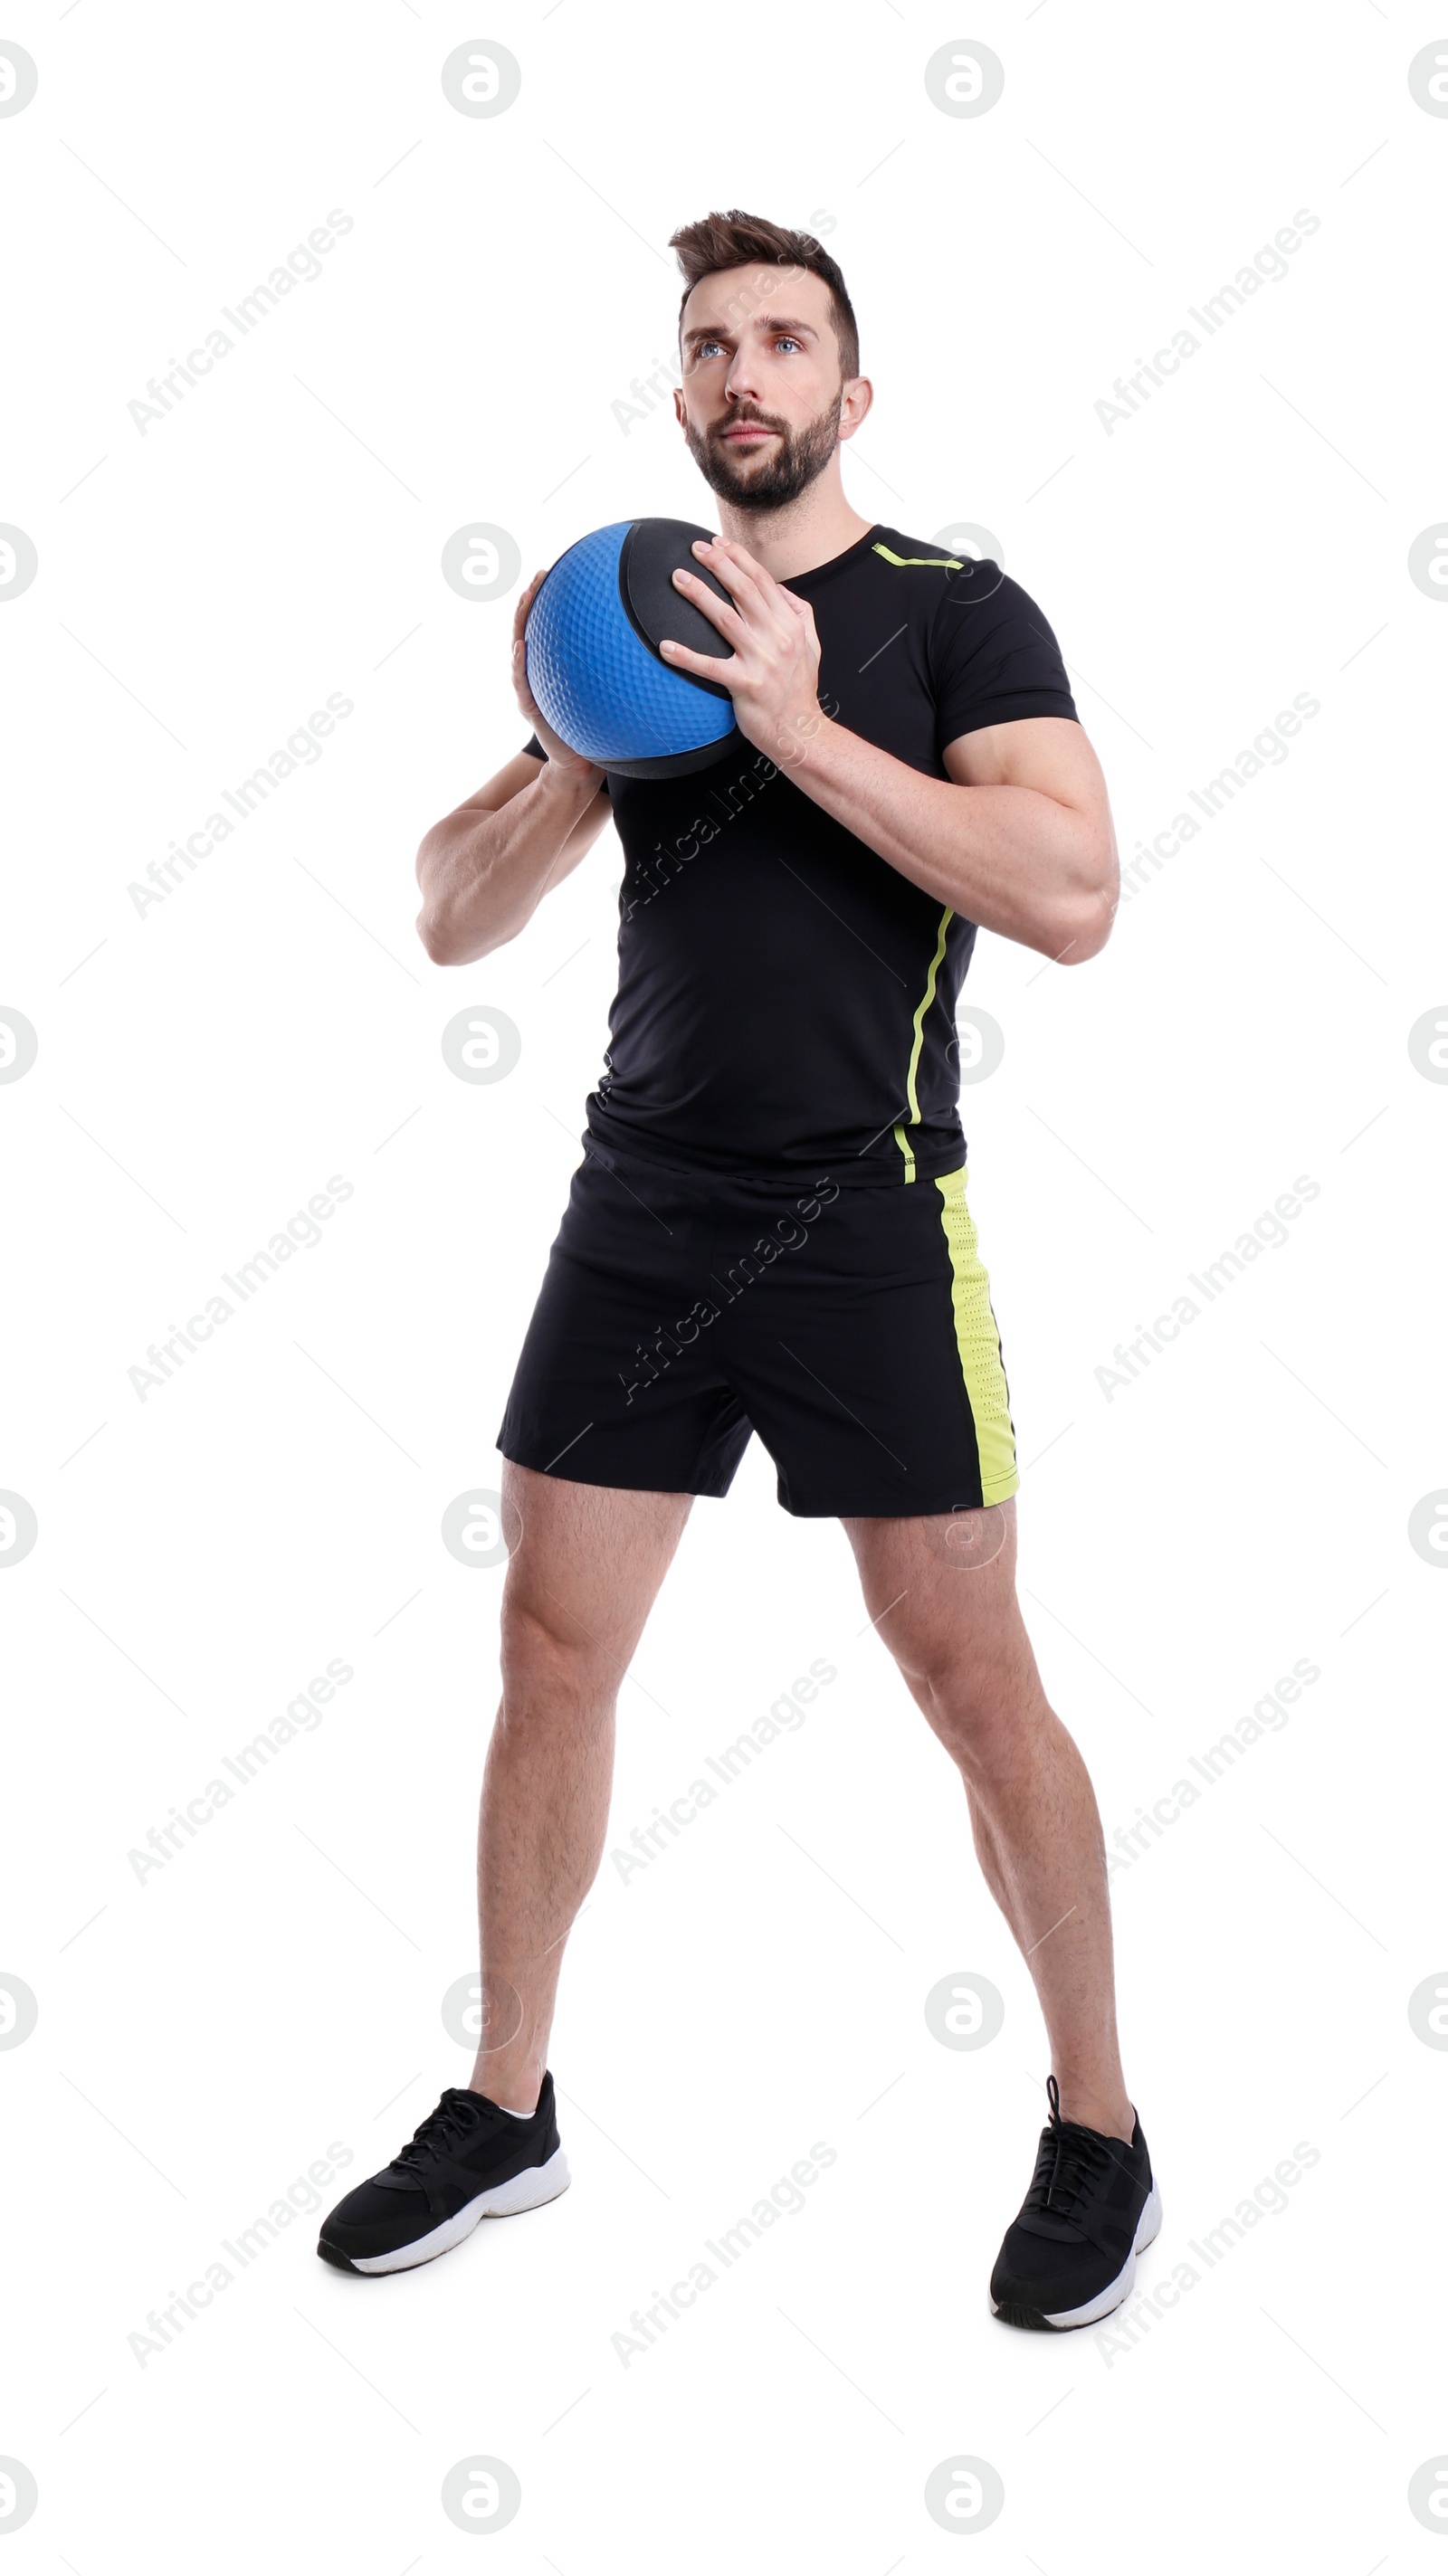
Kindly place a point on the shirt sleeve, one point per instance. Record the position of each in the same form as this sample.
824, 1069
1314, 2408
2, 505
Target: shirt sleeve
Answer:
993, 656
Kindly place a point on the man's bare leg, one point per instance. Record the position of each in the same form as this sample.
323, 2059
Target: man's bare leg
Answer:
943, 1597
586, 1562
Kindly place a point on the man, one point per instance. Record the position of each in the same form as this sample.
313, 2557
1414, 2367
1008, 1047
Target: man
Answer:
769, 1228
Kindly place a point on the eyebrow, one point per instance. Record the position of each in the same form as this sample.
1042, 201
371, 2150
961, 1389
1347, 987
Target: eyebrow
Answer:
766, 321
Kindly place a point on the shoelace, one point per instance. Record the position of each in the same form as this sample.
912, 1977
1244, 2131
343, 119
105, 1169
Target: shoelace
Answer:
1070, 2164
453, 2119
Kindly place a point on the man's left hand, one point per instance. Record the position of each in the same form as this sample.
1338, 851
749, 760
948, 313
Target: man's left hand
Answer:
773, 672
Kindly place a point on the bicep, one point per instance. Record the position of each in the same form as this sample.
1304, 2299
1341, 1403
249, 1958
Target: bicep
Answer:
1048, 753
1051, 756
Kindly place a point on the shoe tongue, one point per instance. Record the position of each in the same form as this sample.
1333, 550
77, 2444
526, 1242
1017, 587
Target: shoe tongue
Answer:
1054, 2223
400, 2177
1080, 2147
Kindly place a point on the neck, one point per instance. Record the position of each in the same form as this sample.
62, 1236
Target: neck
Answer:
809, 531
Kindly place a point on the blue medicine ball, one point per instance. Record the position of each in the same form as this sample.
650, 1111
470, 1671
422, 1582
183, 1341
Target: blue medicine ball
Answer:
594, 665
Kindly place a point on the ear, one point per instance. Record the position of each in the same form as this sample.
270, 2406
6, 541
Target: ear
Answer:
855, 403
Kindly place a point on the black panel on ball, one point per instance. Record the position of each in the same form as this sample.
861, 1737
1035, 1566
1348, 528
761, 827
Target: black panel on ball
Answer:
677, 764
652, 552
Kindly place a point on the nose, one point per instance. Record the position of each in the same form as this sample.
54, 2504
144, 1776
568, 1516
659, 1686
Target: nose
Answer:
741, 384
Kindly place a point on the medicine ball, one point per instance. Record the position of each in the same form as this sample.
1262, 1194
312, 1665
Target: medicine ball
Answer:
594, 665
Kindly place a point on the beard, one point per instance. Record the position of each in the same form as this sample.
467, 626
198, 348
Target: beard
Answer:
752, 484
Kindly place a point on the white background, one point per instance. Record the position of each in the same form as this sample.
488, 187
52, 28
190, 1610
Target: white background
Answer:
205, 1067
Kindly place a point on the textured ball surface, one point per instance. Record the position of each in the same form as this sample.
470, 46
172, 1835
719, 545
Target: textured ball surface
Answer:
600, 685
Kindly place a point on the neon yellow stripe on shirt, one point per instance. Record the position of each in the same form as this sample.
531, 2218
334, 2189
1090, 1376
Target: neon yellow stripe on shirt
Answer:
936, 563
912, 1075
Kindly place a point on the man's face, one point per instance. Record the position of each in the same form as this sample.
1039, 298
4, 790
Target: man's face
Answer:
762, 405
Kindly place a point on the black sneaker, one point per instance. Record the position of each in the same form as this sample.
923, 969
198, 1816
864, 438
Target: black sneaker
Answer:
1070, 2257
468, 2160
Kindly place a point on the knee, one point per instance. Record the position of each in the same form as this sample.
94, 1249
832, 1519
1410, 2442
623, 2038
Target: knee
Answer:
987, 1724
545, 1654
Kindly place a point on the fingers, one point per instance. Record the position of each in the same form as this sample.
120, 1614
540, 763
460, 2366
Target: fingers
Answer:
757, 595
735, 566
520, 613
719, 611
707, 665
761, 599
527, 706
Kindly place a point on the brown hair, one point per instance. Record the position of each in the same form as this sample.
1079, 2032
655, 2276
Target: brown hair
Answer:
735, 239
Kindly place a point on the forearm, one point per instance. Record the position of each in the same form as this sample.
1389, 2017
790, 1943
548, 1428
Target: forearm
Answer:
1014, 860
483, 873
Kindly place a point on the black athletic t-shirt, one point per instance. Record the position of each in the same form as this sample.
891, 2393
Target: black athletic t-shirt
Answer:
786, 999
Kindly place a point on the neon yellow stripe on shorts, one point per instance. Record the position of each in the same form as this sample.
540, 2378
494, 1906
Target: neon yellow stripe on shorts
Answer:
978, 1343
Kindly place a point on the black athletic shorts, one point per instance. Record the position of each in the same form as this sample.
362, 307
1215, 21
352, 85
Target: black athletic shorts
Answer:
850, 1327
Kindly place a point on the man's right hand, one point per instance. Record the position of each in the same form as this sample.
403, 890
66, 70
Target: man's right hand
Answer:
563, 759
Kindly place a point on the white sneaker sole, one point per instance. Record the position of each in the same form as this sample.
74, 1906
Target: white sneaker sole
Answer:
1147, 2226
527, 2190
